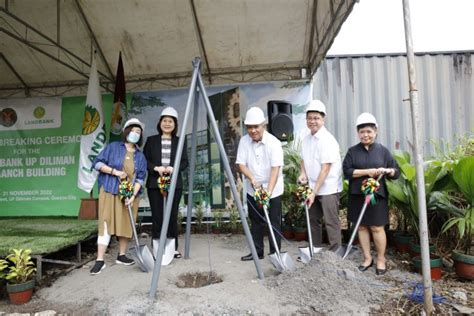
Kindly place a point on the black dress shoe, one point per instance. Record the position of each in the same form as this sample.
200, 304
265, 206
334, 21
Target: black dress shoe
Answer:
250, 257
380, 271
364, 268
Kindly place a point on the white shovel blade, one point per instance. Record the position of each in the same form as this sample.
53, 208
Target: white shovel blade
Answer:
283, 263
305, 254
277, 263
287, 262
168, 254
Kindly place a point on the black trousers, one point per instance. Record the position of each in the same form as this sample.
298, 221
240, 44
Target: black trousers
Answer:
259, 225
157, 214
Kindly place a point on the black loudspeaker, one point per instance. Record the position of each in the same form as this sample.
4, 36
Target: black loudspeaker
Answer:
280, 119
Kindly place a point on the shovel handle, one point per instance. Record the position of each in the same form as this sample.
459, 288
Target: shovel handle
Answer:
132, 222
310, 236
272, 234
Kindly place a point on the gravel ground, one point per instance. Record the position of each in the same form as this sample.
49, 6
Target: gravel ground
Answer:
327, 285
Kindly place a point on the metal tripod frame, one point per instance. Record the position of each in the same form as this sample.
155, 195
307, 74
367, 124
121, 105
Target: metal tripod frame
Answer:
195, 87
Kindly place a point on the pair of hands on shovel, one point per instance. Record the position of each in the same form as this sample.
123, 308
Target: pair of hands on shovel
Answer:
163, 171
122, 175
257, 185
375, 172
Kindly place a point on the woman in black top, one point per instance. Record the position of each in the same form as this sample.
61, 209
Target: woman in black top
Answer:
369, 159
160, 152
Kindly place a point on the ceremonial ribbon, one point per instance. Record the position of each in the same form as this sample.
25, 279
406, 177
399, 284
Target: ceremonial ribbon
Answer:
125, 189
303, 191
262, 198
164, 184
370, 186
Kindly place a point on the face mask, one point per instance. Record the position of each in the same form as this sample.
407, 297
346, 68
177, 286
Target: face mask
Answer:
133, 137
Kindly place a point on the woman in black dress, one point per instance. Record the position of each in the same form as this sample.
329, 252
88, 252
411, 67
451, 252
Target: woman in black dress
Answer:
369, 159
160, 152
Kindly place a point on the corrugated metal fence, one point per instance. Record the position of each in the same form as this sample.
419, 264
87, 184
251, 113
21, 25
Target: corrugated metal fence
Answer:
350, 85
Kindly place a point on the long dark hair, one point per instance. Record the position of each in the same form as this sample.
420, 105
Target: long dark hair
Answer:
175, 130
127, 131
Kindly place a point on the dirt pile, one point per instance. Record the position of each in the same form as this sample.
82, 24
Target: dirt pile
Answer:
328, 285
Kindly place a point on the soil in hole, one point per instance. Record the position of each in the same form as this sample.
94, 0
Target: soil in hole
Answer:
197, 279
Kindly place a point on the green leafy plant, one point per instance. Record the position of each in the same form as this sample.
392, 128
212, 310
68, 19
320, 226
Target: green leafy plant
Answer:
217, 224
291, 171
21, 269
199, 214
403, 191
445, 151
462, 214
179, 219
234, 219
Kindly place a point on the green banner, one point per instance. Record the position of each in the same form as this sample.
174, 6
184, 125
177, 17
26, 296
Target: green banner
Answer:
39, 155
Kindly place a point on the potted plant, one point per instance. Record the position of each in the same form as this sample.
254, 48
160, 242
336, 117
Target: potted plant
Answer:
291, 170
300, 228
179, 219
234, 220
403, 195
436, 265
199, 215
217, 224
19, 271
462, 218
287, 226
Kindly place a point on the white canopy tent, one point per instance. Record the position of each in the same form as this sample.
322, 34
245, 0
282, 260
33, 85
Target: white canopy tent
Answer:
46, 45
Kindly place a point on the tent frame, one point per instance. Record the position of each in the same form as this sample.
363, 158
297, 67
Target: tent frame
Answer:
197, 87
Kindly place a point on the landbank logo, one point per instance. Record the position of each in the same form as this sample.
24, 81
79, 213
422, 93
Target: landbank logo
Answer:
31, 113
39, 117
91, 120
39, 112
8, 117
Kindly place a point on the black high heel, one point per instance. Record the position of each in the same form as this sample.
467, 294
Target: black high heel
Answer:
380, 271
364, 268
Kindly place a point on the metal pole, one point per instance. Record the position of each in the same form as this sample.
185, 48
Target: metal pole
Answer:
174, 178
418, 154
230, 177
192, 168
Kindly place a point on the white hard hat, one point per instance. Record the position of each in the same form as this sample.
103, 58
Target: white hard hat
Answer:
254, 116
316, 106
134, 121
366, 118
169, 111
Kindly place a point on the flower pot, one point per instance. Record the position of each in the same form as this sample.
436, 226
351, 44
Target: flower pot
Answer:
464, 265
436, 264
287, 232
391, 238
415, 248
235, 230
402, 242
20, 293
300, 233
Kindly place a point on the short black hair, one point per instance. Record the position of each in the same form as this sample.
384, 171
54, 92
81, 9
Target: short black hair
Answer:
361, 126
321, 113
127, 131
175, 130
